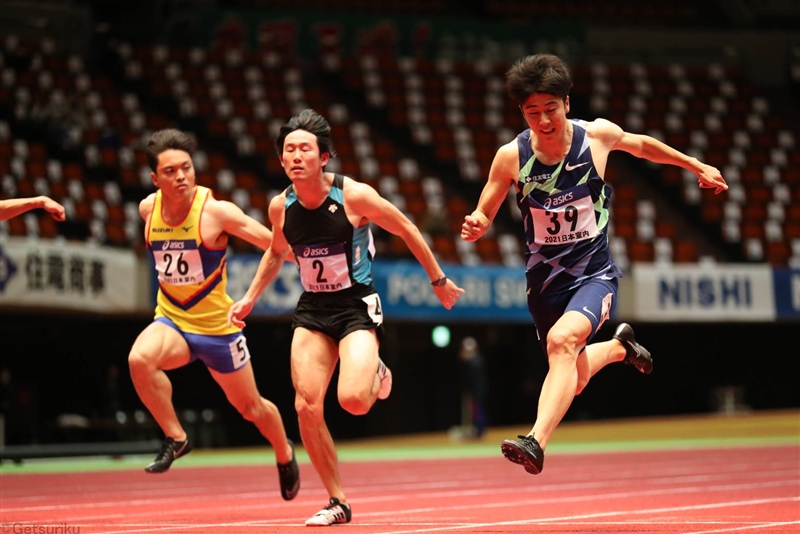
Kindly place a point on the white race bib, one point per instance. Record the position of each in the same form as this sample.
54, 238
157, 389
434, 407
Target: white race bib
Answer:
240, 354
564, 218
323, 268
178, 262
374, 309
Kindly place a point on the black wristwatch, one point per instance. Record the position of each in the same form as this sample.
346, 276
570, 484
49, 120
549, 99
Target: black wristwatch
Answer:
439, 282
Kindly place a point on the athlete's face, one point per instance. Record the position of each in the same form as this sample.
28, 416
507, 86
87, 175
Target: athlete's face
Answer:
546, 115
175, 173
301, 158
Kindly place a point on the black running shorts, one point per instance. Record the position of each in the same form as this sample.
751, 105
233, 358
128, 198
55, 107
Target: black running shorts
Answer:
340, 313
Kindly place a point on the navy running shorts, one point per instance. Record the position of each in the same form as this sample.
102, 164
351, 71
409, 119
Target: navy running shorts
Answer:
596, 299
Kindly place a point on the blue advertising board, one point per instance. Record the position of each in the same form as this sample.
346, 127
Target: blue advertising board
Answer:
787, 293
493, 293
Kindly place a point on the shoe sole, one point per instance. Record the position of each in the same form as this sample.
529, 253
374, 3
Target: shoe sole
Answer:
512, 452
325, 524
154, 472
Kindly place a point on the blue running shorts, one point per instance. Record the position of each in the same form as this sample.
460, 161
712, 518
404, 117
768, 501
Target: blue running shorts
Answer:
224, 354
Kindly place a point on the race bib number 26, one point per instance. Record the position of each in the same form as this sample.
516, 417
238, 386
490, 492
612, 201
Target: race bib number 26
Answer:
178, 262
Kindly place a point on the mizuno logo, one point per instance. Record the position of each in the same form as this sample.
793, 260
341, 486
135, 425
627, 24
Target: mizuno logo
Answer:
187, 228
569, 167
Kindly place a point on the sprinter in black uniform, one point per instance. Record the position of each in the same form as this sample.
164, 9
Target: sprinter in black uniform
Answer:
325, 218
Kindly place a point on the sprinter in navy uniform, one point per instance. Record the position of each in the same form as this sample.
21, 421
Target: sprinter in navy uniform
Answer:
324, 218
556, 167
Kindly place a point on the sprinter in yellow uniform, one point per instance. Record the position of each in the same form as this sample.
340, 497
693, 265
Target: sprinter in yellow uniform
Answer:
187, 233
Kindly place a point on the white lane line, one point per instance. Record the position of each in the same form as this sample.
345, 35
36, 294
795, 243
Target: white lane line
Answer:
709, 506
748, 527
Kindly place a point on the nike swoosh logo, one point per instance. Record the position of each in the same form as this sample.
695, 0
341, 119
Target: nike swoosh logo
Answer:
587, 310
178, 452
569, 167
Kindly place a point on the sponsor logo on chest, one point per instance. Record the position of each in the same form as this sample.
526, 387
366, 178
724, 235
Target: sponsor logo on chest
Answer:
554, 201
538, 178
309, 252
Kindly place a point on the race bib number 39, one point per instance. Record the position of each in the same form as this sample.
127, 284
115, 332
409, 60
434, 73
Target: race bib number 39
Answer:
564, 218
178, 262
323, 268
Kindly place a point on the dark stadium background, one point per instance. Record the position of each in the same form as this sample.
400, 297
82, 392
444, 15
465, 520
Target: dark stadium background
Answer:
58, 360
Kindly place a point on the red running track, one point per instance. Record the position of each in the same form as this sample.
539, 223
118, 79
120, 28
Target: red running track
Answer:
684, 491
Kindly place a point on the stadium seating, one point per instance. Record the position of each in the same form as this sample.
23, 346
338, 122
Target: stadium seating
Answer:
76, 133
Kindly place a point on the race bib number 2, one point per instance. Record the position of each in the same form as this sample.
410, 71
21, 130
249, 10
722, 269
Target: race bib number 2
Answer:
178, 262
323, 268
565, 218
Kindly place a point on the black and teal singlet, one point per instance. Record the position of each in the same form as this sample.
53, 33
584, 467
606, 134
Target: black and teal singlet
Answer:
330, 252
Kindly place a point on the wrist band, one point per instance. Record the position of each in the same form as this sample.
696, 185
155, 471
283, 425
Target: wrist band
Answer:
439, 282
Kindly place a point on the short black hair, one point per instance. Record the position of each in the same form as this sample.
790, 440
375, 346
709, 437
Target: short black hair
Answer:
539, 73
312, 122
169, 139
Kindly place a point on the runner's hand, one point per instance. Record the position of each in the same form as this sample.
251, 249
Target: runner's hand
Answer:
448, 294
239, 310
474, 226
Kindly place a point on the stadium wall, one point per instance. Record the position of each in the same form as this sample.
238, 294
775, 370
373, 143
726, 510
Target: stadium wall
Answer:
59, 364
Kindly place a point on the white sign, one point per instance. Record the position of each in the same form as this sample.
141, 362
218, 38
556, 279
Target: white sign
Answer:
56, 274
703, 293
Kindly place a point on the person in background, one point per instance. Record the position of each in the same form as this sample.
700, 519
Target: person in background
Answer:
473, 387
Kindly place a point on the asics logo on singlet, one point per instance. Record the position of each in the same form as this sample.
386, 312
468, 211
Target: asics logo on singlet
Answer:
172, 245
311, 252
537, 178
557, 200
